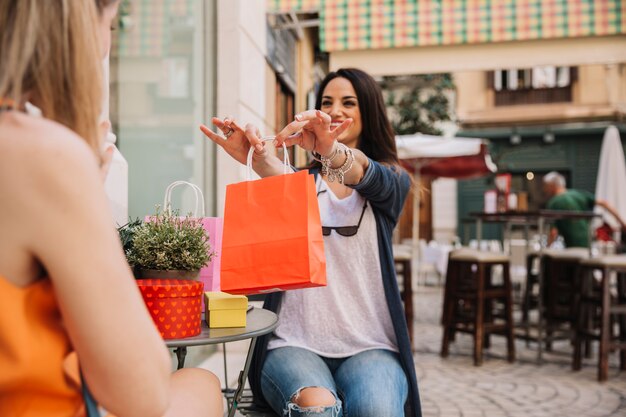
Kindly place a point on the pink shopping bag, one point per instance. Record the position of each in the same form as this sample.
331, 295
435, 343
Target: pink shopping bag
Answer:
210, 274
214, 226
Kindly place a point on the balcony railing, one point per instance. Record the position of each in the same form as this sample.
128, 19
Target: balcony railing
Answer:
533, 96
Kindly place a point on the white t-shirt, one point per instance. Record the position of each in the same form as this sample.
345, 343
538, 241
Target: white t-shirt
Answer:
349, 315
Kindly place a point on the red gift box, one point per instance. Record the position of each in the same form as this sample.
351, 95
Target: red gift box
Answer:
174, 304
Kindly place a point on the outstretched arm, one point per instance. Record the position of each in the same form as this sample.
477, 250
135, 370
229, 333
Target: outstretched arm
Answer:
75, 242
612, 211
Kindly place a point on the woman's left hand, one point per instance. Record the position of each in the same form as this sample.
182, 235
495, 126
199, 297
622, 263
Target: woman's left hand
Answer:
311, 131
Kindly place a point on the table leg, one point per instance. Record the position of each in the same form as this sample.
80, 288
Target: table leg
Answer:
181, 353
527, 290
408, 297
540, 280
479, 231
508, 232
241, 382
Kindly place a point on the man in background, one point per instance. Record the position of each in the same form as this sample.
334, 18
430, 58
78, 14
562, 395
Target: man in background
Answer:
575, 232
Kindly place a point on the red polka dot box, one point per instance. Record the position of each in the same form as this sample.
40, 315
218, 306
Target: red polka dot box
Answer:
175, 305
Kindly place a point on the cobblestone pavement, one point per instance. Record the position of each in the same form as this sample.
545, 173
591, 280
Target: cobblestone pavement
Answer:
454, 387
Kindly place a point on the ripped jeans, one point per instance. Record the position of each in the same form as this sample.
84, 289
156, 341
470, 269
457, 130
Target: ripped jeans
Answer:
369, 384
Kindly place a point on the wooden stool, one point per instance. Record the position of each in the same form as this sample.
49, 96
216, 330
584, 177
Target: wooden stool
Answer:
559, 291
469, 301
529, 300
597, 309
403, 268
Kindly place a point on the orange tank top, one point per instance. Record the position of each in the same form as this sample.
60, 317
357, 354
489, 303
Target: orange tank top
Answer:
38, 370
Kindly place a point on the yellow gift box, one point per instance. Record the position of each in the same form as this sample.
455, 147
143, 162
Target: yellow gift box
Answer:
225, 310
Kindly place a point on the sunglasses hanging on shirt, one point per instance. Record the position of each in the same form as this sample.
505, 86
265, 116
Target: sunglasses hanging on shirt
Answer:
346, 231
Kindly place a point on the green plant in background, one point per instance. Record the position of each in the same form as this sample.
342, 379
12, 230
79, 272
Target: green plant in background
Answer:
127, 233
169, 242
417, 102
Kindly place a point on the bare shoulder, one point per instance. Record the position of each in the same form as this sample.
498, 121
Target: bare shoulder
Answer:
33, 148
38, 137
44, 170
42, 164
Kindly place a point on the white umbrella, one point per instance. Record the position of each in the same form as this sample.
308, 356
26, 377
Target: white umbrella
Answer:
440, 157
611, 181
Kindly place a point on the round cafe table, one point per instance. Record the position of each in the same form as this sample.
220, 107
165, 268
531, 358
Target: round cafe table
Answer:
259, 322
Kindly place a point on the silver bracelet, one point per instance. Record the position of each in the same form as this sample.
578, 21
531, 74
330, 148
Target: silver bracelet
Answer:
319, 158
339, 173
327, 161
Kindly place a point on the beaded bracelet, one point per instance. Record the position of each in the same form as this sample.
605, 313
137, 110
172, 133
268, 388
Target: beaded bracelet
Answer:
336, 173
320, 158
339, 173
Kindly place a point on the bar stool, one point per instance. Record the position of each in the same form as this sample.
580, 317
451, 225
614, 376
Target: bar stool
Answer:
599, 306
529, 300
469, 297
403, 269
559, 291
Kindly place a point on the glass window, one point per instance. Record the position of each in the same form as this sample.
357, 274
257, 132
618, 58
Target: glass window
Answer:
159, 97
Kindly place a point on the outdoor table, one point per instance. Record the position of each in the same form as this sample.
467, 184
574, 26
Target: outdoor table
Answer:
259, 322
540, 218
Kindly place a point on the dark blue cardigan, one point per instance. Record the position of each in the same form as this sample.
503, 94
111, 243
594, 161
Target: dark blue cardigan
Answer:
386, 189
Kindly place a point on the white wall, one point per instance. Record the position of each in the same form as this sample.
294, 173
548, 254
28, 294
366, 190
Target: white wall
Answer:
494, 55
241, 50
444, 209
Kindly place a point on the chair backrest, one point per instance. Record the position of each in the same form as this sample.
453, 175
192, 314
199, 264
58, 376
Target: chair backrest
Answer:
91, 406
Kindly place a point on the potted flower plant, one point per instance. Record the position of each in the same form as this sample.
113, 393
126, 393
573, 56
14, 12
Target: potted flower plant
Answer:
165, 251
167, 246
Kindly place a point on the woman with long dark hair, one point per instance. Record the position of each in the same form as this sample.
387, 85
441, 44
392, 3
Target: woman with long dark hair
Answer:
342, 349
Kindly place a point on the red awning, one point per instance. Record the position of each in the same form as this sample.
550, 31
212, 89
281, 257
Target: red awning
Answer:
436, 156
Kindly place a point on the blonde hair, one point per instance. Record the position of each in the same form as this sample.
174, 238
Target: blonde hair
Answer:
50, 55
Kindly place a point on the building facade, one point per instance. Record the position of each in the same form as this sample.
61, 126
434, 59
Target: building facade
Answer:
493, 49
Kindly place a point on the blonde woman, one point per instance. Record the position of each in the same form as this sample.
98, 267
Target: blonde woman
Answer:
64, 284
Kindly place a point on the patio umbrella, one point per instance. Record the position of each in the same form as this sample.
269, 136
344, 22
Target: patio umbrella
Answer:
437, 156
611, 181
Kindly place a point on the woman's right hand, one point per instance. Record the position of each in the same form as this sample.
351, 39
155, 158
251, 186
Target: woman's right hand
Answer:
236, 144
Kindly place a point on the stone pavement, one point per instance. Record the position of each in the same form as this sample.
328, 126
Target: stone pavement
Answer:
454, 387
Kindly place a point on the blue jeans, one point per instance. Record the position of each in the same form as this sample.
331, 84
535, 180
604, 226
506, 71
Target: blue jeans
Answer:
369, 384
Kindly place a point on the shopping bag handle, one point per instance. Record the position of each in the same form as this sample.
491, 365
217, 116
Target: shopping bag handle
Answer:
167, 200
286, 163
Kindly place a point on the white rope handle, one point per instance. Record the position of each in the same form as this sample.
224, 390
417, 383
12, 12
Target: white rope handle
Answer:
167, 200
286, 163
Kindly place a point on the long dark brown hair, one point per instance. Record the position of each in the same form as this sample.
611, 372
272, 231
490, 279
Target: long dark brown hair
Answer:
377, 139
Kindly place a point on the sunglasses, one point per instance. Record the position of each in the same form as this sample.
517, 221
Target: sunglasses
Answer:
343, 230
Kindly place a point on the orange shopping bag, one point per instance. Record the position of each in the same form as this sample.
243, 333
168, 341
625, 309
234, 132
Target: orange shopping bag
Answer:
272, 237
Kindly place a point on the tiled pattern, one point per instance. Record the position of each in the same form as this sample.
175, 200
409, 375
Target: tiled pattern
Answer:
373, 24
150, 26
